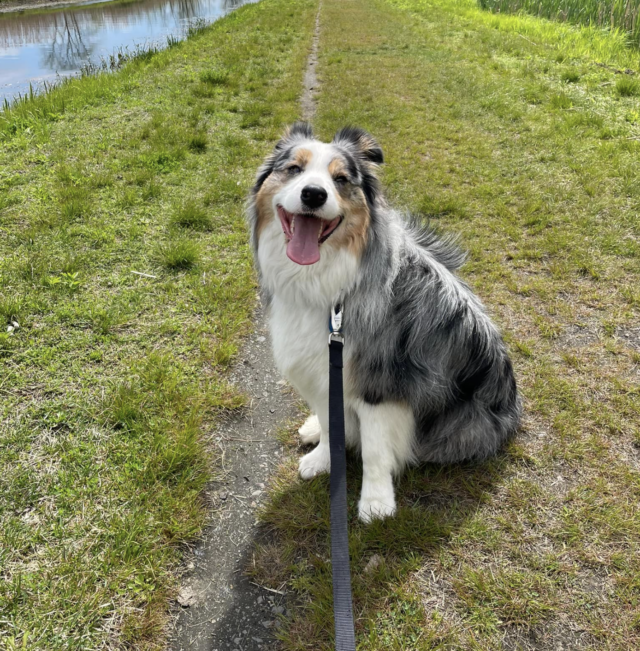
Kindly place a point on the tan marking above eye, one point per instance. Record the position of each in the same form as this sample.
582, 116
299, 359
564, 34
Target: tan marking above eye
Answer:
336, 168
302, 157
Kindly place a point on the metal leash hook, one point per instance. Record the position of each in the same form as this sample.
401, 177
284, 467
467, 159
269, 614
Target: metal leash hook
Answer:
335, 333
342, 600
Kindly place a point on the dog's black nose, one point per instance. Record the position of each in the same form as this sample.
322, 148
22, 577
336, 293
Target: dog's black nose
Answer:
313, 196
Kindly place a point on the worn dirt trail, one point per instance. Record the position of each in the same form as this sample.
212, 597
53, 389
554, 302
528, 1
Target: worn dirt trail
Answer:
219, 607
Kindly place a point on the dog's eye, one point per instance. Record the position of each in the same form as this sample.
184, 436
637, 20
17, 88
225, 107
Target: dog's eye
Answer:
294, 169
341, 180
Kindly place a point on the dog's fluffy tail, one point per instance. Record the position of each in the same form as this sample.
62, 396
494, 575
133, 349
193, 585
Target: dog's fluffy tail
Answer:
443, 248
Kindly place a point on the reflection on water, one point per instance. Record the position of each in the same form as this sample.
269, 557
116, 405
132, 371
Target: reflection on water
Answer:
37, 46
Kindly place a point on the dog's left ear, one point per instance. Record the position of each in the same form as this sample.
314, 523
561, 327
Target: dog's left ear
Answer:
360, 142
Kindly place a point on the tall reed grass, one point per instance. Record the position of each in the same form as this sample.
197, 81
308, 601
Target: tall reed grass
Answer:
620, 15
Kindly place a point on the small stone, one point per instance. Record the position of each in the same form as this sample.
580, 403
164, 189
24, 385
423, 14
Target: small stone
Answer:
374, 562
272, 411
223, 496
277, 610
267, 623
265, 394
15, 324
260, 600
190, 566
261, 339
186, 597
10, 328
256, 493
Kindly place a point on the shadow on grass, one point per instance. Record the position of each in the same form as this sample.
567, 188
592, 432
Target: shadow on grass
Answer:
294, 548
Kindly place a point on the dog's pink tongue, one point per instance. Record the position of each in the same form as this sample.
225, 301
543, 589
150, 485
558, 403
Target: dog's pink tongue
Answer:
303, 247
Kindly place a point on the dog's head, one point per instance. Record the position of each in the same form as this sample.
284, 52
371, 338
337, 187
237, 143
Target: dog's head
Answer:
319, 196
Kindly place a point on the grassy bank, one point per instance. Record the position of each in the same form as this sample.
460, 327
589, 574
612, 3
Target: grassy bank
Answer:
616, 15
125, 284
528, 149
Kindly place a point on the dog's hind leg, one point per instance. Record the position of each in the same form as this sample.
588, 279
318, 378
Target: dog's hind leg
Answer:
387, 434
310, 431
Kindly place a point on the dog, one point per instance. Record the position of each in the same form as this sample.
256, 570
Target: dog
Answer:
427, 376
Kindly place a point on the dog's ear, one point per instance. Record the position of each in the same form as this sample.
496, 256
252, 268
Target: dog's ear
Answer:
297, 131
360, 142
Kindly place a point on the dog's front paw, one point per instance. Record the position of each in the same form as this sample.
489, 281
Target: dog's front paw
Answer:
374, 508
310, 431
315, 463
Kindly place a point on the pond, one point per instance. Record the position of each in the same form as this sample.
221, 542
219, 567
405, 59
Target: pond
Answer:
39, 46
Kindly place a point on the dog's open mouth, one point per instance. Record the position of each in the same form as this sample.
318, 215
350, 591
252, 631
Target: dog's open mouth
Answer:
305, 234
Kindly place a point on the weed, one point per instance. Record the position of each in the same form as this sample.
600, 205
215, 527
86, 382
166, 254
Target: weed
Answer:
571, 76
172, 41
196, 26
561, 101
198, 142
191, 215
214, 77
627, 86
178, 253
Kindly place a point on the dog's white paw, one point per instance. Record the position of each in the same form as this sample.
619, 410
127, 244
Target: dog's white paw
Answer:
315, 463
376, 508
310, 431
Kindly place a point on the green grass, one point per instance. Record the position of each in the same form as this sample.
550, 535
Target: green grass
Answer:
621, 15
628, 87
192, 216
125, 286
505, 130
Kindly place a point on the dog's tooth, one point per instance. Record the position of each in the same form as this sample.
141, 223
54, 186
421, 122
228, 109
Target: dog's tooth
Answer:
321, 229
293, 224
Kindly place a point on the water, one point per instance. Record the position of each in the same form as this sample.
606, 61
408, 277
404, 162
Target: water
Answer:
39, 46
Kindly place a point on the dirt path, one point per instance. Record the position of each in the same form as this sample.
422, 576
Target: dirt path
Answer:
219, 607
308, 98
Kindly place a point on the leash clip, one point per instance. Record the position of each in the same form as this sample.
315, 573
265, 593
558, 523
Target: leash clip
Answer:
335, 333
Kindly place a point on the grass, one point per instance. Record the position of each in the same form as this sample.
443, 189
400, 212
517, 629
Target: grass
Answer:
628, 87
125, 286
192, 215
621, 15
512, 132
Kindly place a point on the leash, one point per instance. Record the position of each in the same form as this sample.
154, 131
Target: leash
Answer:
342, 602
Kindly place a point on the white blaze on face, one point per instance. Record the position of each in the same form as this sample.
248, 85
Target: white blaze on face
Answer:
306, 227
315, 173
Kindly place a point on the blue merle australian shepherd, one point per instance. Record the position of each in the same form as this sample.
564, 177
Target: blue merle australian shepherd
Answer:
427, 376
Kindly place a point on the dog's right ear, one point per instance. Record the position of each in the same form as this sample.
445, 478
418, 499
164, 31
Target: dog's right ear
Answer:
297, 131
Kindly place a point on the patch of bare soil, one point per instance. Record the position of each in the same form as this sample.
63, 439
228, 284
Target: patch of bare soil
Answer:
307, 100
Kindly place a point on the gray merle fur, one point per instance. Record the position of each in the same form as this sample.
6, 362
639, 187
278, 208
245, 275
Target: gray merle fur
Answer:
415, 332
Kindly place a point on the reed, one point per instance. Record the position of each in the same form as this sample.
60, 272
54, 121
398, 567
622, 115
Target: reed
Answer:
615, 15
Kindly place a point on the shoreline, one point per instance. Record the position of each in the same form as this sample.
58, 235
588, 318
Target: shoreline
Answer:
18, 6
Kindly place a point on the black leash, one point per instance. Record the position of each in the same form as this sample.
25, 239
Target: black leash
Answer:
342, 602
